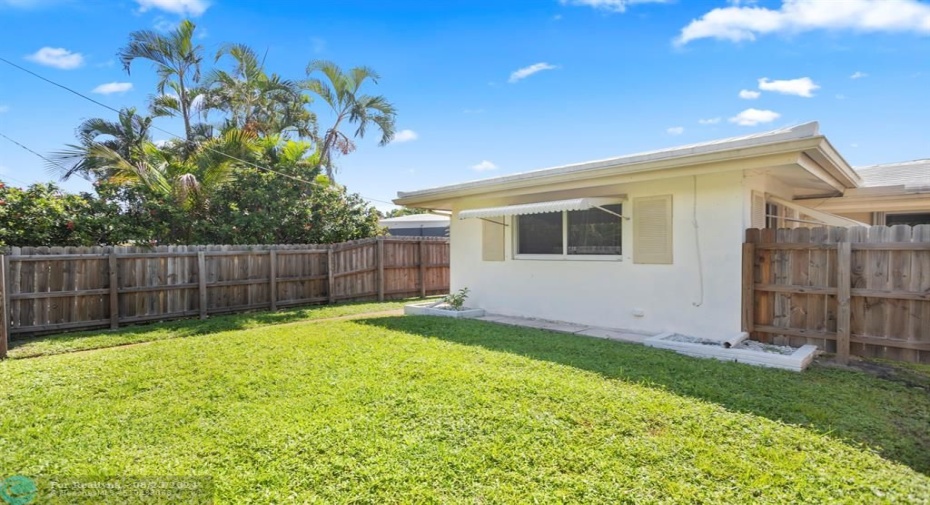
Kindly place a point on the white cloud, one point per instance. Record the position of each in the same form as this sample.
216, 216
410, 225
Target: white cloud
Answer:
113, 87
57, 57
525, 72
405, 136
675, 130
858, 75
484, 166
192, 8
609, 5
752, 117
748, 94
799, 87
712, 120
164, 24
745, 23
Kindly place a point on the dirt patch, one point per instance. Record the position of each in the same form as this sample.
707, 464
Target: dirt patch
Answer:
890, 371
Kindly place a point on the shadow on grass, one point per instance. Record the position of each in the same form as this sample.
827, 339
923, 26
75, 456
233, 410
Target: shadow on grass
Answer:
890, 417
98, 339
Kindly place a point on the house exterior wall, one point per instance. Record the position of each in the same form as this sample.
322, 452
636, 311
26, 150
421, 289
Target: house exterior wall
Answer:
696, 298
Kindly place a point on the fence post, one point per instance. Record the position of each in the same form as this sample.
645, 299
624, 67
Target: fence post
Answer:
749, 294
422, 268
5, 308
114, 289
843, 289
380, 269
273, 279
202, 280
331, 274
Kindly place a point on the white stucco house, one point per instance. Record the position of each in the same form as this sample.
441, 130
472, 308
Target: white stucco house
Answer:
652, 241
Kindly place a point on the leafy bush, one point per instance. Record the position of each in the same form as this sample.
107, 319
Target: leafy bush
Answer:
456, 300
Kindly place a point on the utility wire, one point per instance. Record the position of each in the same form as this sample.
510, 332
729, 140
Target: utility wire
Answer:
166, 132
31, 151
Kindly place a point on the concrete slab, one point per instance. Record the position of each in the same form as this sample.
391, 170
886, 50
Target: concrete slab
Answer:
613, 334
796, 361
540, 324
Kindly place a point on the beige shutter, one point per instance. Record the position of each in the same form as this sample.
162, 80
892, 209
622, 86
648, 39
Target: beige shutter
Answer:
652, 230
758, 211
492, 239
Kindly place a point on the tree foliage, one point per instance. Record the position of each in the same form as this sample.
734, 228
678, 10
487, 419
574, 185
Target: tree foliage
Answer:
42, 215
248, 169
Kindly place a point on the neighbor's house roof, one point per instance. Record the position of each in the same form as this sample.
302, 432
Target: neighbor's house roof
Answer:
804, 138
416, 221
890, 187
913, 175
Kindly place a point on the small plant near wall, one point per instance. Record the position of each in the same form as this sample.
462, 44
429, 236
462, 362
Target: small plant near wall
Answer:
456, 300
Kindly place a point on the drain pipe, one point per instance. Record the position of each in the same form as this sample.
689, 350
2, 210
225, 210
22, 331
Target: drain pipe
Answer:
697, 246
735, 341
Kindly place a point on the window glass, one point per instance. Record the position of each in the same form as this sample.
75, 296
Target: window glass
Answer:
594, 231
908, 219
540, 233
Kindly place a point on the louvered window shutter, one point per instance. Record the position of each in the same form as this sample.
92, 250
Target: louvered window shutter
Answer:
758, 211
492, 240
652, 230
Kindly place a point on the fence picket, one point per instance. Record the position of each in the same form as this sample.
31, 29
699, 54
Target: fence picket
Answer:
867, 295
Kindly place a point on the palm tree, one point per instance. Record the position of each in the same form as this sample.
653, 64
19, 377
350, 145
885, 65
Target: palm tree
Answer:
125, 136
177, 60
190, 180
256, 101
341, 92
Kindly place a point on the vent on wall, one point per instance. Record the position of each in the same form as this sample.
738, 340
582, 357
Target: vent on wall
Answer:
652, 230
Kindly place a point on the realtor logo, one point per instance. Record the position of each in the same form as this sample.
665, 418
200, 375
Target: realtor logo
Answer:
18, 490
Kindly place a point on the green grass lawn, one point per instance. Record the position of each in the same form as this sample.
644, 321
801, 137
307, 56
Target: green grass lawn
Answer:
416, 409
97, 339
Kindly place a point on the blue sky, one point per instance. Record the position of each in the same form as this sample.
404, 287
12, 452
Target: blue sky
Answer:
490, 88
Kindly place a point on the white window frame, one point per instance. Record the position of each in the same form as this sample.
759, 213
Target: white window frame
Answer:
565, 256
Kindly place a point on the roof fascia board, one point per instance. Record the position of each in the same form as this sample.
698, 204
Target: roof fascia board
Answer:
604, 185
716, 162
819, 172
830, 159
871, 203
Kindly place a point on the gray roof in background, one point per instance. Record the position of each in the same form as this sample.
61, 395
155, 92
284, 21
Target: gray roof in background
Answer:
913, 175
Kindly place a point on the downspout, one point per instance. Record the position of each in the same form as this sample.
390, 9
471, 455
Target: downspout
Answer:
697, 247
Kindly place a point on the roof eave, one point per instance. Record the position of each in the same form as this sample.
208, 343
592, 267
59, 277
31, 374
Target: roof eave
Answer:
443, 195
833, 162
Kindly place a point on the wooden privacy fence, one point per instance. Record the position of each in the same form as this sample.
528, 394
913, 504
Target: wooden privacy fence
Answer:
61, 289
861, 291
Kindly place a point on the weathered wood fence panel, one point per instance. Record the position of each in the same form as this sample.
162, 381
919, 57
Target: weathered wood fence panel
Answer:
860, 291
47, 290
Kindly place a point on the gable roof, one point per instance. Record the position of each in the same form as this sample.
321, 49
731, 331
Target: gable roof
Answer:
913, 175
635, 162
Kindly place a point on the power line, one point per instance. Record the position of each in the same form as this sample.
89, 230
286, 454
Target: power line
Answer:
166, 132
31, 151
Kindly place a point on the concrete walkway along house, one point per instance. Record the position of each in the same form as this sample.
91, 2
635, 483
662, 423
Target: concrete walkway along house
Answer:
652, 241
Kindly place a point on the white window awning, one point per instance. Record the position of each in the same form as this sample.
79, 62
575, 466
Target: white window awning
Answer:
824, 217
539, 207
